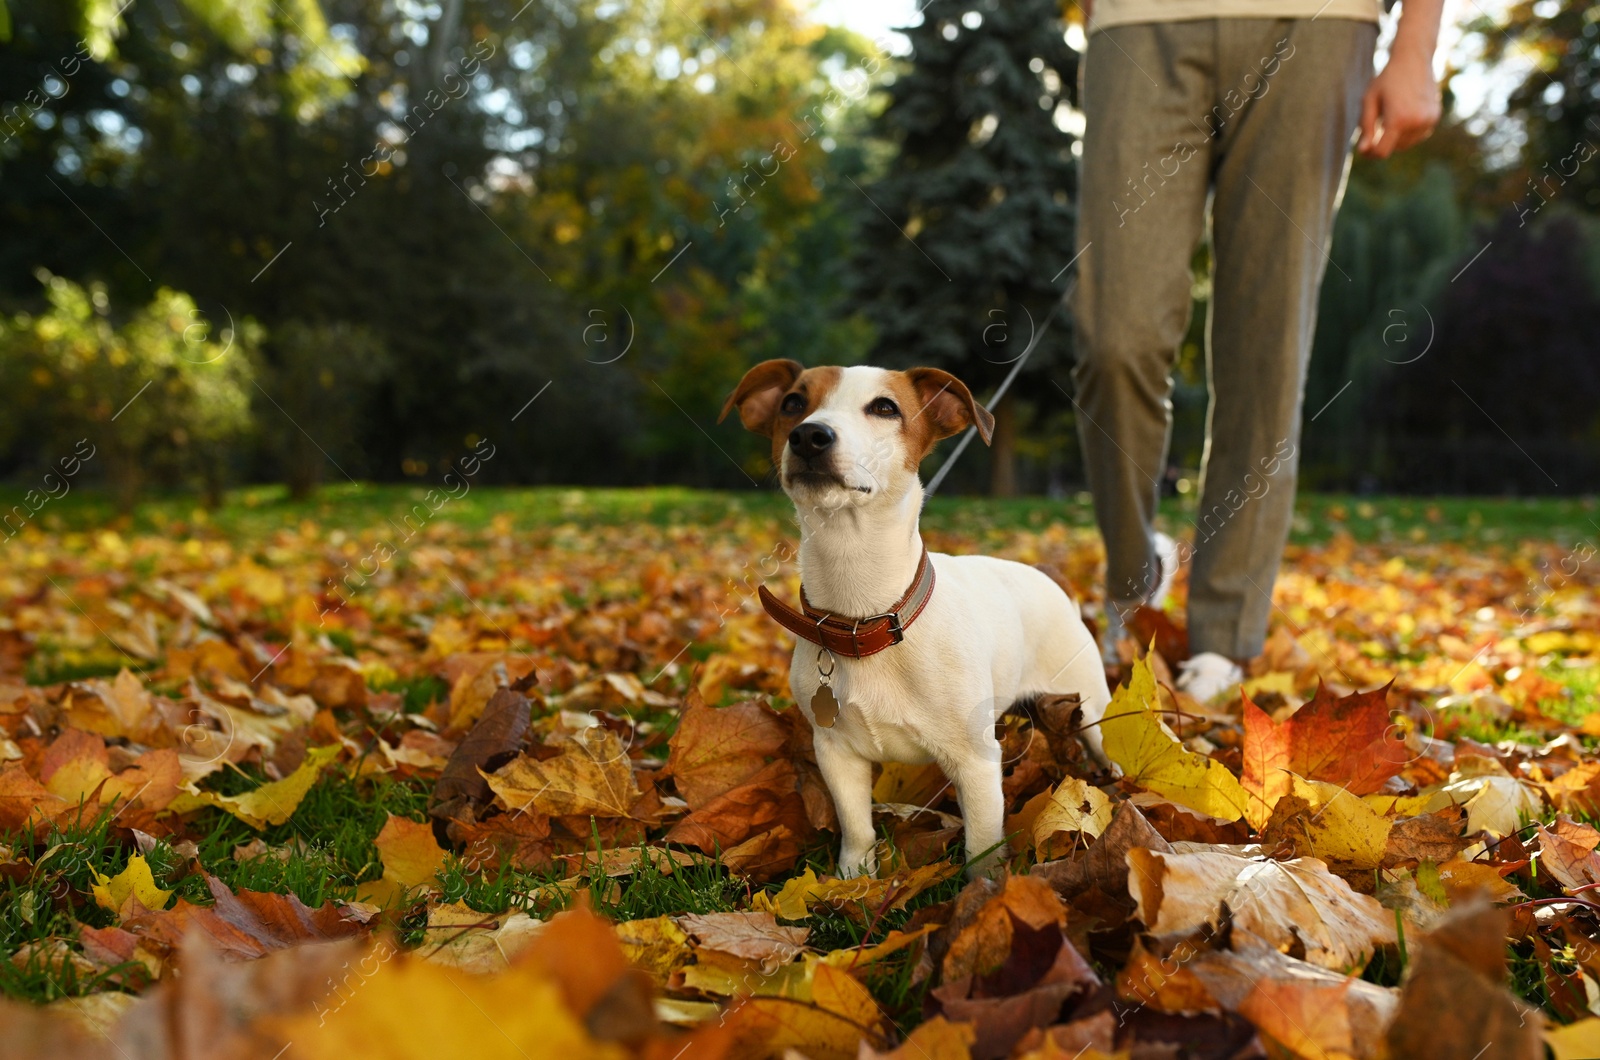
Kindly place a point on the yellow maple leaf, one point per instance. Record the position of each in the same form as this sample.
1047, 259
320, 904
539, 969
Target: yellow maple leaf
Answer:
270, 804
410, 854
1341, 827
1154, 759
1075, 806
657, 945
135, 881
795, 899
513, 1015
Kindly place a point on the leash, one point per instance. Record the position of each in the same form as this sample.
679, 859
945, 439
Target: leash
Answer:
1000, 392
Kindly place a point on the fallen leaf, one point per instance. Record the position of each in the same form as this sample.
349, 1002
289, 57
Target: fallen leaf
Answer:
754, 937
271, 803
657, 945
1325, 821
983, 943
499, 732
1575, 1041
410, 854
1459, 969
1104, 866
244, 925
935, 1039
1293, 906
886, 892
715, 749
1152, 758
1041, 970
135, 882
591, 776
476, 942
1348, 741
1074, 806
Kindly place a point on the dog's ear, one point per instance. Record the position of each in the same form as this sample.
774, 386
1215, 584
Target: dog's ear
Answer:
948, 405
758, 393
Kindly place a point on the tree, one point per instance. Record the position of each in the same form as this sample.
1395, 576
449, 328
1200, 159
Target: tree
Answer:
966, 234
155, 391
1558, 99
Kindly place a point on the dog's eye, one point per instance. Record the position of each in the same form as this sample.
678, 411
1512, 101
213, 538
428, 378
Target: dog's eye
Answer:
883, 407
794, 404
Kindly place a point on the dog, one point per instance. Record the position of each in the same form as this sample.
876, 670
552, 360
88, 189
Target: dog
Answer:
902, 655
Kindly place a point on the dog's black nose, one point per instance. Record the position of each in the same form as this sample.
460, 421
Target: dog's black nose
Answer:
811, 439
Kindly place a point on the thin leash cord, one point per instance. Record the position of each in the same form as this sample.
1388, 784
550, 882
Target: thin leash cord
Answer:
1000, 392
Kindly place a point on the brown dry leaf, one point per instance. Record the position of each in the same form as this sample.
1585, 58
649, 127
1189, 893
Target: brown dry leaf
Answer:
911, 785
983, 944
591, 776
1572, 864
626, 861
499, 732
755, 937
1432, 837
521, 840
766, 854
246, 924
1459, 969
23, 799
769, 799
1041, 970
1293, 906
1104, 866
715, 749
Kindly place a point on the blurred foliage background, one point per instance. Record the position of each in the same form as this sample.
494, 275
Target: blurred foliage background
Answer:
315, 240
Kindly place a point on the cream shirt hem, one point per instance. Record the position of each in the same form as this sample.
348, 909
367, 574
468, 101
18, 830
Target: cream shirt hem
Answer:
1123, 12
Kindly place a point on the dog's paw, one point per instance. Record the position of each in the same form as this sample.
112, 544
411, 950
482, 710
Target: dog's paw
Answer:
855, 863
988, 866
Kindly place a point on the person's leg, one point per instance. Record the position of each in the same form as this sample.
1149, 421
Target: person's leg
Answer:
1141, 211
1289, 98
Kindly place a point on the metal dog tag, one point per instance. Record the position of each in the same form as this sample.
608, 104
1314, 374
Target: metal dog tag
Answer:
825, 707
824, 704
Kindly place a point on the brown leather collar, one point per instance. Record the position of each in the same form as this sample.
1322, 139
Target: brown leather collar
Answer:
855, 638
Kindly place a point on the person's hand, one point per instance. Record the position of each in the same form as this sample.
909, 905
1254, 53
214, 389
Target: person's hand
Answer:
1401, 106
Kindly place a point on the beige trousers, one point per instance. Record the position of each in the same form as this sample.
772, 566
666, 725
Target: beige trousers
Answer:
1256, 116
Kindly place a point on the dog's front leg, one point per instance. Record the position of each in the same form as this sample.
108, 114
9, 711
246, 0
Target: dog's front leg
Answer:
849, 780
977, 778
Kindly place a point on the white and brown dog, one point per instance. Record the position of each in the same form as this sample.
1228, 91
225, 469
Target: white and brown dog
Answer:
902, 656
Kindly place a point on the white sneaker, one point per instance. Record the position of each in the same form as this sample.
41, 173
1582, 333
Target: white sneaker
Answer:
1167, 556
1208, 675
1114, 629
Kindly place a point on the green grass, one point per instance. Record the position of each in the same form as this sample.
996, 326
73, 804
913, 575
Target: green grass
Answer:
332, 831
253, 514
49, 902
1581, 698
